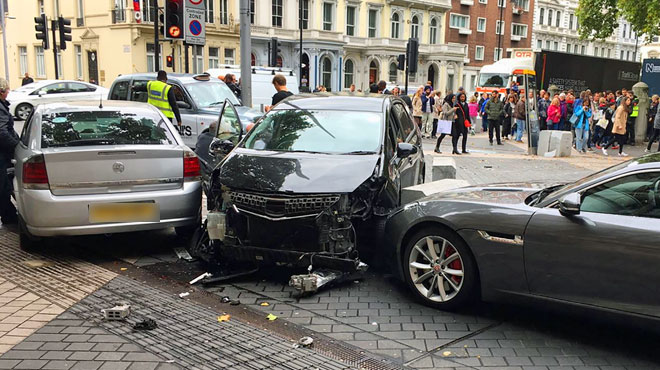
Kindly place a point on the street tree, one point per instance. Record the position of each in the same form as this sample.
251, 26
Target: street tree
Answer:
599, 18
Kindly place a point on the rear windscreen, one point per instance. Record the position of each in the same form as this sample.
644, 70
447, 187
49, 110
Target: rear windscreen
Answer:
103, 128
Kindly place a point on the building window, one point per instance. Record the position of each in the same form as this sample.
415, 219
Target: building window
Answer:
602, 52
624, 30
550, 17
501, 3
350, 20
224, 11
481, 24
595, 51
276, 20
459, 21
147, 11
519, 30
214, 57
576, 49
41, 7
229, 56
81, 11
539, 44
326, 73
628, 53
373, 23
570, 21
523, 4
79, 62
478, 52
499, 27
450, 81
556, 45
252, 11
23, 61
497, 55
151, 55
119, 12
541, 15
414, 27
584, 50
568, 48
327, 16
396, 24
305, 15
41, 64
393, 72
558, 20
609, 53
433, 32
348, 73
210, 12
547, 44
59, 65
198, 59
483, 1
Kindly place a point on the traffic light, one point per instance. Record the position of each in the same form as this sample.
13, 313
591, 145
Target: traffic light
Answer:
170, 61
65, 32
161, 26
274, 51
42, 30
413, 53
174, 19
401, 59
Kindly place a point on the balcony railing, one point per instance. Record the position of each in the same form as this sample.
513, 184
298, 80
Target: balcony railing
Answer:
426, 4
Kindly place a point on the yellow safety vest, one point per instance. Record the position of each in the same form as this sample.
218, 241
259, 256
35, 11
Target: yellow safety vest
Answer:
157, 92
635, 111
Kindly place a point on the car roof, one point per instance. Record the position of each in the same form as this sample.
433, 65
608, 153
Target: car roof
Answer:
37, 84
95, 105
345, 101
181, 77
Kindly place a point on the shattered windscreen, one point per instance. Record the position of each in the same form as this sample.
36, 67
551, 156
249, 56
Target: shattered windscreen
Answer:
331, 132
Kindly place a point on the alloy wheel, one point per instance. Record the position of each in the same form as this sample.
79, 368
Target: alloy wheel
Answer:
436, 268
23, 111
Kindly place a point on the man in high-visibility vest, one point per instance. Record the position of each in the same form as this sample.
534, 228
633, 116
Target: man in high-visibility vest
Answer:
161, 95
630, 124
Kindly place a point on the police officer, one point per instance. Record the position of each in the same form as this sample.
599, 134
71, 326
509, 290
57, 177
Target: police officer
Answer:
162, 97
630, 123
8, 141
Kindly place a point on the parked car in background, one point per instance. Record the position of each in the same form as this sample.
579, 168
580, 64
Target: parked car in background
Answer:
25, 98
86, 168
303, 184
592, 243
199, 97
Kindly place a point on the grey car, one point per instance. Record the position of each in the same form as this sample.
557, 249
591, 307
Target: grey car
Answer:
96, 168
593, 243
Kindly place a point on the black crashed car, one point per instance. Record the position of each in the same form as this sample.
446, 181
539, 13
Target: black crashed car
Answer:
311, 175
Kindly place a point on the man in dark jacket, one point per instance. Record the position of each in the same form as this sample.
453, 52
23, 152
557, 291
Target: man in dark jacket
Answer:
494, 109
26, 80
8, 141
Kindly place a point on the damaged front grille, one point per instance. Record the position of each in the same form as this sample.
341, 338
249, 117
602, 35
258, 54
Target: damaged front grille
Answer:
283, 206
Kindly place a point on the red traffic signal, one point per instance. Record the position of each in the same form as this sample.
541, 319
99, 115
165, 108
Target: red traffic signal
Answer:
169, 61
173, 19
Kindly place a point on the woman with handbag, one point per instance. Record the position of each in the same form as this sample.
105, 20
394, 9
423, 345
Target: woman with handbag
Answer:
554, 114
461, 124
619, 127
448, 113
600, 122
583, 113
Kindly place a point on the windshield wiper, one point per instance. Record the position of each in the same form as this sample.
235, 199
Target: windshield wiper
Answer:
83, 142
359, 152
545, 192
216, 103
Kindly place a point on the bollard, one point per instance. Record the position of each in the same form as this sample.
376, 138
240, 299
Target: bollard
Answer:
552, 90
641, 91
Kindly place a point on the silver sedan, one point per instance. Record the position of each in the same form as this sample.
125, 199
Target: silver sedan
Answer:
90, 168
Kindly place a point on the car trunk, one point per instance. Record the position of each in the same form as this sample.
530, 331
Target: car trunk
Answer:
106, 170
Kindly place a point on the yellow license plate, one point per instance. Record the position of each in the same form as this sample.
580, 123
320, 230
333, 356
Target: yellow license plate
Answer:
124, 212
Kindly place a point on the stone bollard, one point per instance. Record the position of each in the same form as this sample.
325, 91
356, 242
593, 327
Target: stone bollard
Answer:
641, 91
552, 90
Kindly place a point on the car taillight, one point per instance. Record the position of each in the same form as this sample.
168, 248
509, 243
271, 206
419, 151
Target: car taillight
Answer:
191, 170
34, 173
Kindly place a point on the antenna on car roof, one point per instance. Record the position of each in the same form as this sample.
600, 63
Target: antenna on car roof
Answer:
100, 101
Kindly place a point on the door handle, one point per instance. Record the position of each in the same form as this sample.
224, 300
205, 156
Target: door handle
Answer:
410, 160
13, 161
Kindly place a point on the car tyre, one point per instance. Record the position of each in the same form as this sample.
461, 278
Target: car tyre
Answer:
26, 241
453, 267
23, 111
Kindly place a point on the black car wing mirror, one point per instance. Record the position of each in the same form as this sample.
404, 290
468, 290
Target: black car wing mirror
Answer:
569, 204
404, 150
220, 147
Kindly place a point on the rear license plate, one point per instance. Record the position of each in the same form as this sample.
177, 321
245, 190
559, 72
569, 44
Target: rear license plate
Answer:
124, 212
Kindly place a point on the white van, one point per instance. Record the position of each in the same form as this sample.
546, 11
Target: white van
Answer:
262, 81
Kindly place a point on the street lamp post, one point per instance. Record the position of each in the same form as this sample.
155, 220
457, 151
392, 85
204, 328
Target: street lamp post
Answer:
4, 37
300, 24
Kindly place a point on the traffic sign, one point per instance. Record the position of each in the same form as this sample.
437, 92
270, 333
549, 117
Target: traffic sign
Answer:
195, 22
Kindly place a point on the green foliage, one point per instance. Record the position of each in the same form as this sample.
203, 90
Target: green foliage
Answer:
599, 18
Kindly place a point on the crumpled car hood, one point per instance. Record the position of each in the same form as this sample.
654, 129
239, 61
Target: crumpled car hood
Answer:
267, 171
502, 193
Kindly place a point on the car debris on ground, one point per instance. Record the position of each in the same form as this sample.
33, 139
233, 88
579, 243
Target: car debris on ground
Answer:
183, 254
304, 342
146, 324
119, 312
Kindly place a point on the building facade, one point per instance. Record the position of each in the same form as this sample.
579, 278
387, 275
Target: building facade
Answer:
109, 41
556, 29
488, 28
356, 41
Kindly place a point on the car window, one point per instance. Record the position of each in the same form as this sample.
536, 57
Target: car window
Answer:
78, 87
406, 123
633, 195
230, 126
58, 88
120, 91
25, 133
106, 127
139, 91
396, 126
178, 93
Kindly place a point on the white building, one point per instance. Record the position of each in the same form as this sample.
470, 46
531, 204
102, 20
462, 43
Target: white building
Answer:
556, 28
651, 50
357, 41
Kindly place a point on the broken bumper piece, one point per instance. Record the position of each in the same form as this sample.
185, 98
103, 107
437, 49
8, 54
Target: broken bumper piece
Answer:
310, 283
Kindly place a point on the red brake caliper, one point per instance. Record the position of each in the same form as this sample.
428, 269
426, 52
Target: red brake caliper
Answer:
456, 264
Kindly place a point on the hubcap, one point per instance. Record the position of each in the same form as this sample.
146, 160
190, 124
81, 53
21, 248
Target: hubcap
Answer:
24, 112
436, 268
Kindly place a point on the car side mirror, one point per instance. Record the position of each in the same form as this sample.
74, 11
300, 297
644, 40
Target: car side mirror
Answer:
220, 147
404, 150
569, 204
183, 104
41, 93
